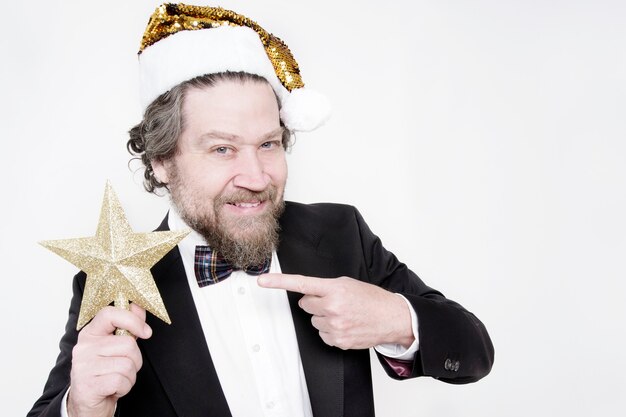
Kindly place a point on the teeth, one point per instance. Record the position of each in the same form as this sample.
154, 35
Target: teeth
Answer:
247, 205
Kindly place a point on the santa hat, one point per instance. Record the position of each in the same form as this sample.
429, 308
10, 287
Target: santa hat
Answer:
182, 42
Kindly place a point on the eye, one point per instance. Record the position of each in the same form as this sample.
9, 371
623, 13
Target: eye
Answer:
269, 144
222, 150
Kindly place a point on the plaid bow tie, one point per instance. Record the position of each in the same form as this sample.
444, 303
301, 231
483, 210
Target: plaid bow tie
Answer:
211, 268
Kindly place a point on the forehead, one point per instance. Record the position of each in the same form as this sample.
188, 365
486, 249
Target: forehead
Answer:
231, 105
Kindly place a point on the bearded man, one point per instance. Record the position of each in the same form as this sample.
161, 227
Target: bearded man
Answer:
273, 304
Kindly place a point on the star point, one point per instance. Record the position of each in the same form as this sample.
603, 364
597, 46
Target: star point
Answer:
117, 262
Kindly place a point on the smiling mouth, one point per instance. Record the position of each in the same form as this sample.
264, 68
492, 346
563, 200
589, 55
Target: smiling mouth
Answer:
246, 204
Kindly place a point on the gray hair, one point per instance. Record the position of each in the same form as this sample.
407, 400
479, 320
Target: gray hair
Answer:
156, 136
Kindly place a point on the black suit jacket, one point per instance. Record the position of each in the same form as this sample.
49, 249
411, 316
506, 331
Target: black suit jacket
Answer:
321, 240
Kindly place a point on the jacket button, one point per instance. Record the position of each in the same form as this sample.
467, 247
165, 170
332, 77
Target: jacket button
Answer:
448, 365
457, 364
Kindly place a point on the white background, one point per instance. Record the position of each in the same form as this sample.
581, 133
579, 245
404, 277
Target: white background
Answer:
482, 140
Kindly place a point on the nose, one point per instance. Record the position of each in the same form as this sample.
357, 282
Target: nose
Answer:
251, 173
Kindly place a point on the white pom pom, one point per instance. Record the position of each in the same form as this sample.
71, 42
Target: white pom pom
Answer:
304, 110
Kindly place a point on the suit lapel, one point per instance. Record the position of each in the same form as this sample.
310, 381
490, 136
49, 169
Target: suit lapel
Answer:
323, 365
178, 353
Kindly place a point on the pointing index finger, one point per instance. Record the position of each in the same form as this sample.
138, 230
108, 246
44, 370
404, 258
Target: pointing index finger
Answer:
296, 283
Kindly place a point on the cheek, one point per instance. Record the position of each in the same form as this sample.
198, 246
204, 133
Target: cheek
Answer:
278, 171
211, 183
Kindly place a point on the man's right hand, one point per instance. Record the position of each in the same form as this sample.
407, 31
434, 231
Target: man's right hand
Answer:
105, 366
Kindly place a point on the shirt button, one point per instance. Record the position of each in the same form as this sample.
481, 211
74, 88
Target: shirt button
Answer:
241, 290
270, 405
256, 348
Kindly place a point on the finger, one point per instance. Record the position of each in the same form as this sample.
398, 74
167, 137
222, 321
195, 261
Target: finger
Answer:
103, 377
119, 365
327, 338
93, 349
313, 304
343, 343
321, 324
105, 345
335, 325
138, 310
296, 283
110, 365
124, 385
110, 318
141, 313
122, 347
114, 384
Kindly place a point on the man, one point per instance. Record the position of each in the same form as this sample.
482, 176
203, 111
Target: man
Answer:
222, 97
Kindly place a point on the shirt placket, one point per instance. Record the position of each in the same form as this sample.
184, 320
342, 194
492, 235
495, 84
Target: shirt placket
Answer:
258, 346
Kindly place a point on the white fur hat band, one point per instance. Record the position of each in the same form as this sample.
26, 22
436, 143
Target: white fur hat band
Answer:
183, 42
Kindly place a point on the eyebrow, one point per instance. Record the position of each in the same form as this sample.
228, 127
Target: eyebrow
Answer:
216, 134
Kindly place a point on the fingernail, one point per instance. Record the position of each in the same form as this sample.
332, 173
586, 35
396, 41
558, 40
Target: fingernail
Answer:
262, 280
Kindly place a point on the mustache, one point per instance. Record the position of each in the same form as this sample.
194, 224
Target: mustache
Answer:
242, 195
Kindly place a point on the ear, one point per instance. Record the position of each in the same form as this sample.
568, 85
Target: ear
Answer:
160, 170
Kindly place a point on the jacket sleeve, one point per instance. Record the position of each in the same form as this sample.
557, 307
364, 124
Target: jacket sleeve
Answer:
454, 345
49, 404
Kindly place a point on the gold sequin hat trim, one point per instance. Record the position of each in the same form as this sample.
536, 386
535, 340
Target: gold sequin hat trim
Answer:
182, 42
170, 18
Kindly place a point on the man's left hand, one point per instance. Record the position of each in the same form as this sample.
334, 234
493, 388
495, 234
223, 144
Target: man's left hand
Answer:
348, 313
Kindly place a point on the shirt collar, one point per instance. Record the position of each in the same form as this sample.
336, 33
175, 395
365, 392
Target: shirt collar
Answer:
187, 246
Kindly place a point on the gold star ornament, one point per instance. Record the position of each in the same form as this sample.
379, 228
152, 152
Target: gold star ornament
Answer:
117, 262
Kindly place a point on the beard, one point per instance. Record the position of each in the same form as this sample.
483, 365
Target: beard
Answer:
242, 240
